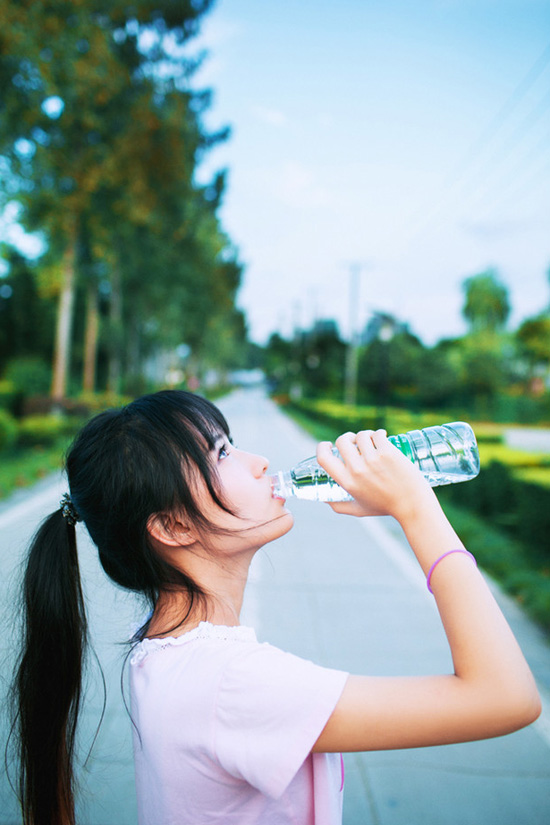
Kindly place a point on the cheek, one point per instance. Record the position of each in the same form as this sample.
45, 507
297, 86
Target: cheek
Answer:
237, 487
248, 498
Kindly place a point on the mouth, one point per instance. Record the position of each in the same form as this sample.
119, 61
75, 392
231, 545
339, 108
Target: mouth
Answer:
274, 494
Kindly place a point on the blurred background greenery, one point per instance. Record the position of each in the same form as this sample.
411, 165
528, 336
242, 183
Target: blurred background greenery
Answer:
132, 283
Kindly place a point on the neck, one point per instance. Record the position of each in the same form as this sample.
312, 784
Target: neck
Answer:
222, 580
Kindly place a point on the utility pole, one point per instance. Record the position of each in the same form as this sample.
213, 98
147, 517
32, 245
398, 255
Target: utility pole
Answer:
352, 352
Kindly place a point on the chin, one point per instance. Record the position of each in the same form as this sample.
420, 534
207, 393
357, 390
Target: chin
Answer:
285, 522
278, 526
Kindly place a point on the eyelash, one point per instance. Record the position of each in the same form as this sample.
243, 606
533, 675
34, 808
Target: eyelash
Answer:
225, 449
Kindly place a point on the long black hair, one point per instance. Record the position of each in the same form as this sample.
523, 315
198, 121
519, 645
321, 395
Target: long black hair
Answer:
124, 466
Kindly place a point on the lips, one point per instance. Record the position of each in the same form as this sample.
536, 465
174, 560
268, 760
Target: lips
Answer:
275, 495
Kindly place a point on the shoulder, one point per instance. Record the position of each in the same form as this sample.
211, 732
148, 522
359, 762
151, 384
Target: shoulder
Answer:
266, 679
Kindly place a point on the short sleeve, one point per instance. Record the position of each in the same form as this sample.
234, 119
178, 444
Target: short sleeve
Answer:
272, 706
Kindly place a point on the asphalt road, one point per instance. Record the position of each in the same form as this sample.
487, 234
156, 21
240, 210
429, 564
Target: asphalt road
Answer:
344, 592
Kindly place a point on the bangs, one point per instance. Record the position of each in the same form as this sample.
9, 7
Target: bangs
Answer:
182, 431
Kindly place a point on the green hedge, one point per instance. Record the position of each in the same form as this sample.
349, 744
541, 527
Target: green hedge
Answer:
35, 431
521, 508
8, 395
343, 417
8, 430
45, 430
503, 557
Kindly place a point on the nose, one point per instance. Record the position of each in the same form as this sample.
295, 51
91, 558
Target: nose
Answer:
259, 464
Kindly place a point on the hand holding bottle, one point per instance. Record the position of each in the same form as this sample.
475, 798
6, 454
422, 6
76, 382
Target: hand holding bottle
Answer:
380, 478
444, 454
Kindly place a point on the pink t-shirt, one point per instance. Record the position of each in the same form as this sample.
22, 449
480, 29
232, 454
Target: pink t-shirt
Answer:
224, 728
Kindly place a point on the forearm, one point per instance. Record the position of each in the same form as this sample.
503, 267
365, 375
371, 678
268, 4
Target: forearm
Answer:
485, 653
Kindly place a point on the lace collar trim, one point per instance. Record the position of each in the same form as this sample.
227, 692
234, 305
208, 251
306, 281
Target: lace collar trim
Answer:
205, 630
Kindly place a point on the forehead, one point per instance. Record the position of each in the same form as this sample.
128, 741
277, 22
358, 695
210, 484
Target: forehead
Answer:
210, 434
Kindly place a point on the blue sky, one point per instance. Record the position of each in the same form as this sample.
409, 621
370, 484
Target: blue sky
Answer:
412, 138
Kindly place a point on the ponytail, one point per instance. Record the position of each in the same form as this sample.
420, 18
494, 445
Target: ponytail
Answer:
48, 680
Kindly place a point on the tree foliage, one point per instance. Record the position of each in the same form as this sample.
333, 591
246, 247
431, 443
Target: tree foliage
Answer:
101, 135
486, 305
482, 372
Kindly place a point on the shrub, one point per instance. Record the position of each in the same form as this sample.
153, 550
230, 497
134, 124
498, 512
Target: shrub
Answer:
8, 395
29, 376
8, 430
45, 430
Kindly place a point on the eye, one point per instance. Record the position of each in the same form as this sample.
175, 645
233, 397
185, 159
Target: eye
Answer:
224, 450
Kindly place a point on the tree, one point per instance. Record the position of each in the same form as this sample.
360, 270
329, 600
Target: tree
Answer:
486, 305
533, 342
27, 314
485, 349
100, 128
389, 361
54, 130
440, 374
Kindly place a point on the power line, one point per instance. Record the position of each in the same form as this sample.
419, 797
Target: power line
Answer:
501, 116
507, 150
456, 176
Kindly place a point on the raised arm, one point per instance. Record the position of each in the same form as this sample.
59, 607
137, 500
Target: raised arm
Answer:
492, 691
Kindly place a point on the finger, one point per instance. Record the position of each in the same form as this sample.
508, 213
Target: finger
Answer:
324, 451
326, 458
348, 449
347, 508
365, 443
379, 439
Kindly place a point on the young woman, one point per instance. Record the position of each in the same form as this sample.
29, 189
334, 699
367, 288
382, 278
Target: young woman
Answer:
228, 730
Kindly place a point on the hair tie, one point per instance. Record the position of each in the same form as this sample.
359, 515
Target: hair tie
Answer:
68, 510
436, 562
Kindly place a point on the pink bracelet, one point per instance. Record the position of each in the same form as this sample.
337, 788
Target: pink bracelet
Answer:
436, 562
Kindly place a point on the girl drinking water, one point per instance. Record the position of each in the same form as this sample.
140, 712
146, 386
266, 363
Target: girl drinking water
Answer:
227, 730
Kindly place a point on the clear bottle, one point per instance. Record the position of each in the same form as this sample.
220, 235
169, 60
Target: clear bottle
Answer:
445, 454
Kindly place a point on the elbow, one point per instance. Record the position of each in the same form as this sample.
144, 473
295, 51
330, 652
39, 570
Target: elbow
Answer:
523, 710
532, 708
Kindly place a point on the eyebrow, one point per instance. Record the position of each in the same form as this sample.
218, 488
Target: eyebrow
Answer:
221, 438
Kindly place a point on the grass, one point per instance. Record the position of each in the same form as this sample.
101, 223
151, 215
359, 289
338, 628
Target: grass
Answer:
512, 457
23, 468
536, 475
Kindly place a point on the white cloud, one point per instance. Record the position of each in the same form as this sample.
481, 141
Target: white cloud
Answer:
273, 117
297, 186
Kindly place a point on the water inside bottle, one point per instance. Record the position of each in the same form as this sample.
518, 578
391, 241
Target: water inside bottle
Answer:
323, 488
444, 454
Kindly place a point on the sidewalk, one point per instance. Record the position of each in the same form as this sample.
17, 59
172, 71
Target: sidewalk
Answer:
344, 592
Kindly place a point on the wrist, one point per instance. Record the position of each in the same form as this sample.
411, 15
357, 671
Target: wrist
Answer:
429, 532
415, 511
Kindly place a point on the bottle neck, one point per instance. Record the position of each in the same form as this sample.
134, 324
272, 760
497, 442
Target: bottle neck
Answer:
281, 484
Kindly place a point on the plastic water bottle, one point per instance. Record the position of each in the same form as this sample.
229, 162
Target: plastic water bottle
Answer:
444, 454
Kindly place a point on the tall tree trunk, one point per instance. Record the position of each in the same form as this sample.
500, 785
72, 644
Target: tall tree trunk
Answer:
62, 347
115, 337
133, 350
91, 336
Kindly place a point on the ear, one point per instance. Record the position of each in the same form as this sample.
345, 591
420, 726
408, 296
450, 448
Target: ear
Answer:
167, 529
